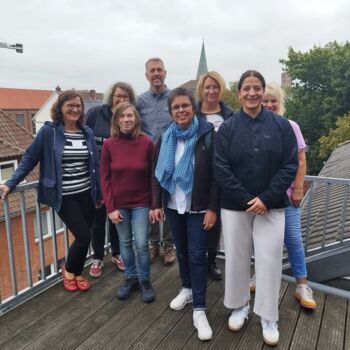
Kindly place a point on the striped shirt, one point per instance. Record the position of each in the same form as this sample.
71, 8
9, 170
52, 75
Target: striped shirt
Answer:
75, 164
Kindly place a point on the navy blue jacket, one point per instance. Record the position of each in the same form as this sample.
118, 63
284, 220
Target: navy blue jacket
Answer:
255, 157
99, 120
225, 111
205, 191
47, 148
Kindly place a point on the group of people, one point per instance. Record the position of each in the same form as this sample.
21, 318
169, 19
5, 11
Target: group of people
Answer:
199, 169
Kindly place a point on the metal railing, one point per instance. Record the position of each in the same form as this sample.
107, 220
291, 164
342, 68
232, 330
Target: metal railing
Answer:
324, 227
34, 255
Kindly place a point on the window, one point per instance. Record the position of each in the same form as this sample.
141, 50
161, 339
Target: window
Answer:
20, 118
46, 224
7, 169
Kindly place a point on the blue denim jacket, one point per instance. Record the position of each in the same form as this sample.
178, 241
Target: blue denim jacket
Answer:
255, 157
47, 148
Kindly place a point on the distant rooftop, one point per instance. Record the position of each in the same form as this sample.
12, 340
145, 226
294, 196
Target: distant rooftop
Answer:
23, 98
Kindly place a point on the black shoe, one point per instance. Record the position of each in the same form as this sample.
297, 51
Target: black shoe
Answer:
147, 292
214, 272
129, 285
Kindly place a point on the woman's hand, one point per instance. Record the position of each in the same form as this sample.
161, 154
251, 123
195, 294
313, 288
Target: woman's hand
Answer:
116, 217
257, 206
209, 220
4, 191
297, 197
158, 214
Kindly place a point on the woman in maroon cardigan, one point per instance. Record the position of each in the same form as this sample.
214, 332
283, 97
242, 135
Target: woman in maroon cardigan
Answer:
126, 167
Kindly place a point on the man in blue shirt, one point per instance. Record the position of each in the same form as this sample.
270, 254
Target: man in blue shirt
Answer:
153, 108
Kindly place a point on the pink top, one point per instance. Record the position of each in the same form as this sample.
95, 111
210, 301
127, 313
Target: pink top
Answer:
301, 146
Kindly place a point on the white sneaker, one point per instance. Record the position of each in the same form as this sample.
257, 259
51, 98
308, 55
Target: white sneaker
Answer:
183, 298
270, 332
200, 321
237, 318
305, 296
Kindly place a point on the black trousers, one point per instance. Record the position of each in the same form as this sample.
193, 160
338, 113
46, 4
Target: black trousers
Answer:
77, 212
98, 233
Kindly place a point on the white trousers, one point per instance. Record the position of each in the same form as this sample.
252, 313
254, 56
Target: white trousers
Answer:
242, 231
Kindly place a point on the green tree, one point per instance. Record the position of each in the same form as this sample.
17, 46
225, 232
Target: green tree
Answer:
335, 136
230, 97
319, 94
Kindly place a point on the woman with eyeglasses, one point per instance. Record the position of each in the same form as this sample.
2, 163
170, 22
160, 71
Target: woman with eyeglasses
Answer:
99, 120
69, 178
184, 187
210, 90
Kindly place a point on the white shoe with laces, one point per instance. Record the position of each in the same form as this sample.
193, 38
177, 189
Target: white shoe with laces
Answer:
270, 332
305, 296
237, 318
200, 321
182, 299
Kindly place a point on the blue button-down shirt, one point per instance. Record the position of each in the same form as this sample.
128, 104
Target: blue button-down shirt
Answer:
154, 112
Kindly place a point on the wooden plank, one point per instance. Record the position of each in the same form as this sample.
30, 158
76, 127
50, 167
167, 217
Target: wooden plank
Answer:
333, 324
52, 334
252, 337
289, 311
122, 319
347, 330
183, 330
307, 329
27, 314
136, 333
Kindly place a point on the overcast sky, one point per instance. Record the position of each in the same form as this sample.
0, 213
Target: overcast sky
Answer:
89, 44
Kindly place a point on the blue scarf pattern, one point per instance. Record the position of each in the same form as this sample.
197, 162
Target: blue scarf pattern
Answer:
167, 173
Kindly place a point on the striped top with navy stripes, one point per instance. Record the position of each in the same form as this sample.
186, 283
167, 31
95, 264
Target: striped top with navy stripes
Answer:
75, 164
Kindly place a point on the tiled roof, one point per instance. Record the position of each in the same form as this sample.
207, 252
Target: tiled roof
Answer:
22, 98
329, 216
14, 139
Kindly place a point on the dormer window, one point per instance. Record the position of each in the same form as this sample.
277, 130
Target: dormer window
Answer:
7, 169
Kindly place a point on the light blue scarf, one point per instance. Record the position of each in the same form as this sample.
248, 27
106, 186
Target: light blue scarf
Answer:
167, 173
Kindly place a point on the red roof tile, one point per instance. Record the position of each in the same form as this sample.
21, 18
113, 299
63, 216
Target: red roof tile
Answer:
23, 98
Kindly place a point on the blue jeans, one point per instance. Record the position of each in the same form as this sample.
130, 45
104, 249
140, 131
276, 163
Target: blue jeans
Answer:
135, 222
293, 242
191, 243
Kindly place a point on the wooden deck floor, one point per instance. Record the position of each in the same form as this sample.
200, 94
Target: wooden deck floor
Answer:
97, 320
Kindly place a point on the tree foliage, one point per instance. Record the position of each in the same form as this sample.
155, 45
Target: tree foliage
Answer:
230, 97
335, 136
320, 92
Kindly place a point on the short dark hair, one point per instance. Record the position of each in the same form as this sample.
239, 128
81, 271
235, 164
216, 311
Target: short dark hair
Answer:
251, 73
121, 85
181, 92
56, 109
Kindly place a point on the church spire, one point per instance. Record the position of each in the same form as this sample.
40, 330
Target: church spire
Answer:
202, 66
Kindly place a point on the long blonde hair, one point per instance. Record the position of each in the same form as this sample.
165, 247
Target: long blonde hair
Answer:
274, 90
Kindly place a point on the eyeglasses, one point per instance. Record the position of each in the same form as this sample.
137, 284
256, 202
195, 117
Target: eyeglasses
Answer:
124, 97
78, 107
176, 108
212, 88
